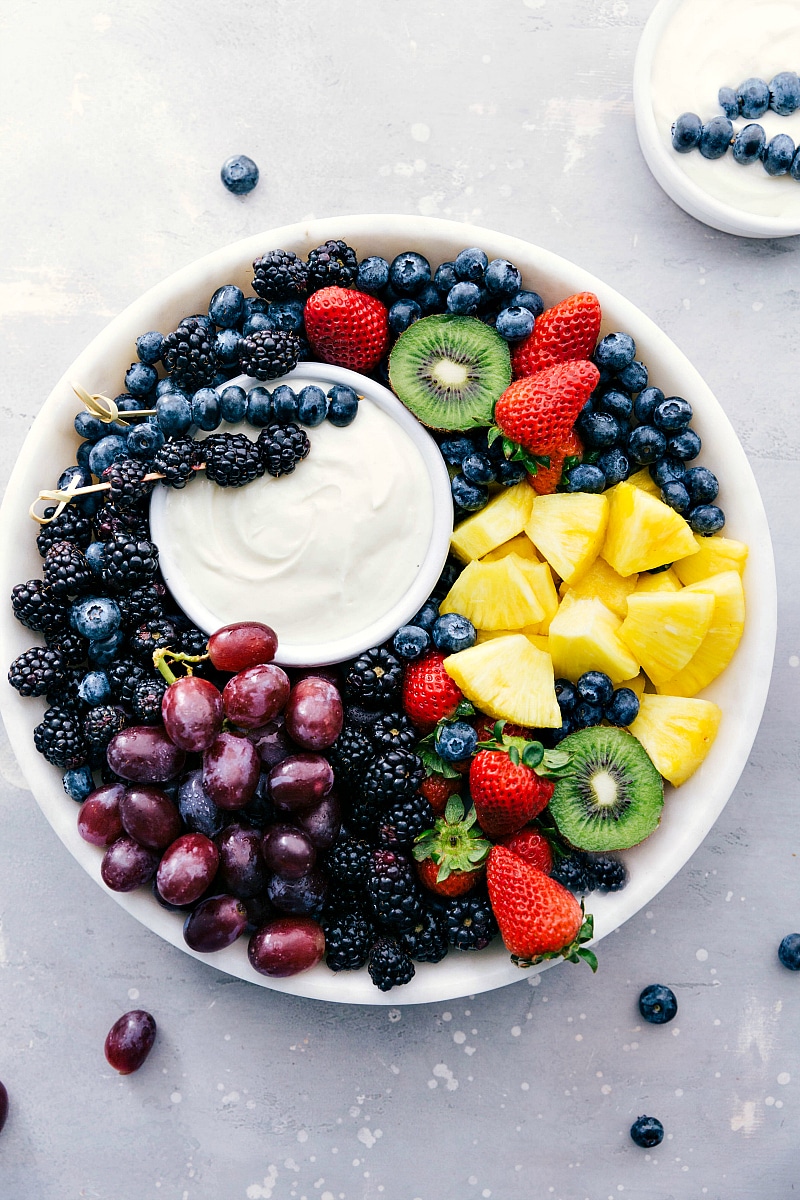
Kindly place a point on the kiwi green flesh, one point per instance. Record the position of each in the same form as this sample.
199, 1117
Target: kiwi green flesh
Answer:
611, 796
450, 371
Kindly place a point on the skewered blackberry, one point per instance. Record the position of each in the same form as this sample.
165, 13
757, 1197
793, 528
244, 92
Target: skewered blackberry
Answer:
280, 275
269, 353
176, 461
110, 519
393, 731
350, 754
37, 608
129, 562
188, 354
389, 964
142, 604
426, 940
151, 636
69, 526
282, 447
124, 674
348, 939
146, 701
71, 646
348, 864
232, 460
470, 921
333, 264
60, 739
100, 725
393, 890
66, 571
392, 776
126, 479
609, 873
36, 671
374, 680
402, 822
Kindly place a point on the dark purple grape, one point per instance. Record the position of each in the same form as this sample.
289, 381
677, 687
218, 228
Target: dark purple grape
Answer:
271, 742
305, 895
260, 811
130, 1040
286, 946
126, 865
287, 851
231, 768
300, 782
259, 911
322, 823
3, 1105
144, 754
314, 713
197, 808
242, 645
187, 868
255, 697
241, 867
99, 821
149, 816
215, 924
192, 713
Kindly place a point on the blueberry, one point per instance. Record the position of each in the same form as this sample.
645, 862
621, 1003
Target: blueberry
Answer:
471, 264
778, 154
455, 450
103, 651
615, 351
74, 476
95, 618
514, 323
784, 93
404, 312
748, 145
127, 403
255, 323
728, 102
616, 404
752, 96
502, 278
140, 379
78, 783
686, 131
148, 347
566, 695
789, 952
586, 477
165, 385
646, 444
478, 468
427, 616
530, 300
285, 404
144, 440
464, 298
95, 554
647, 1132
452, 633
226, 307
205, 409
567, 727
174, 414
312, 405
702, 485
794, 169
615, 465
673, 414
445, 277
509, 473
665, 469
259, 407
94, 688
706, 519
633, 377
716, 137
658, 1004
469, 496
585, 715
646, 404
239, 174
409, 273
89, 426
373, 274
675, 494
594, 687
233, 404
686, 445
428, 299
598, 430
226, 347
254, 304
286, 314
455, 741
623, 708
658, 570
342, 405
107, 451
411, 642
82, 455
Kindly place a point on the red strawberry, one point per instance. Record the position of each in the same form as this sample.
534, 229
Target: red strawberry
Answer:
547, 479
437, 791
538, 917
539, 412
567, 330
347, 328
451, 856
532, 847
428, 691
485, 726
506, 794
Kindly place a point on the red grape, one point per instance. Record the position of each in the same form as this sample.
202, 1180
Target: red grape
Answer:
99, 821
149, 816
145, 754
271, 742
306, 894
245, 644
314, 713
231, 768
300, 782
130, 1040
322, 824
3, 1104
256, 695
286, 946
215, 924
187, 868
332, 674
192, 712
287, 851
241, 866
126, 865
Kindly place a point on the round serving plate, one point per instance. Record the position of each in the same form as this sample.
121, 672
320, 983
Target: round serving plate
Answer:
741, 690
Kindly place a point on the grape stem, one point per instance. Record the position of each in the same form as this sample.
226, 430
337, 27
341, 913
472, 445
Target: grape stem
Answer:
160, 662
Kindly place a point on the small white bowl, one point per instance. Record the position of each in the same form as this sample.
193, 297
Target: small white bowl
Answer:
317, 654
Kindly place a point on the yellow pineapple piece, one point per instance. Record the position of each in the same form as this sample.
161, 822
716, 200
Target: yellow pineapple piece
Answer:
568, 528
603, 582
664, 629
637, 684
509, 679
521, 545
494, 596
584, 637
540, 577
644, 480
676, 732
724, 634
503, 518
540, 640
643, 532
714, 555
664, 581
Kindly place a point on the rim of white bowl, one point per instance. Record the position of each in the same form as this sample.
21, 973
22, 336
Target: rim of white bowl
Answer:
689, 812
687, 194
319, 654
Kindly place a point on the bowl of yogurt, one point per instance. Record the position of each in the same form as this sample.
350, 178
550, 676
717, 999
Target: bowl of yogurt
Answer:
689, 50
336, 555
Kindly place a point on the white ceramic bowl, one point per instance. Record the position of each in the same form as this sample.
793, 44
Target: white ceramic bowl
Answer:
665, 163
741, 690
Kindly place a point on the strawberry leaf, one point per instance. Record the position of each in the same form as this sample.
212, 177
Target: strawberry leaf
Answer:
454, 810
513, 754
493, 434
433, 763
533, 754
465, 709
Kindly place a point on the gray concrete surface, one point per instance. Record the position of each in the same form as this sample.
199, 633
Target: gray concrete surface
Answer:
515, 115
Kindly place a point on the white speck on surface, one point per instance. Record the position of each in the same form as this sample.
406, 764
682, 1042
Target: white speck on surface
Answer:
578, 1037
176, 1097
758, 305
794, 661
769, 1101
447, 1016
442, 1071
606, 1089
745, 1118
515, 1031
687, 302
675, 1032
428, 206
367, 1137
701, 955
404, 168
757, 1028
783, 1078
469, 1050
459, 1037
302, 1135
473, 1179
230, 1098
133, 993
420, 132
525, 1087
779, 1104
486, 58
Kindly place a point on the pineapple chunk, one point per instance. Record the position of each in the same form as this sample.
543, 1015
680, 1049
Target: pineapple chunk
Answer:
540, 577
509, 679
724, 634
494, 596
521, 545
664, 629
644, 480
603, 582
676, 732
643, 532
714, 555
540, 640
568, 528
664, 581
503, 517
584, 637
636, 685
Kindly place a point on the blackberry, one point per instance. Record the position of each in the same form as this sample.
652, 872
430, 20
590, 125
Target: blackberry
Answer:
188, 354
363, 817
348, 939
393, 890
392, 776
609, 873
150, 636
374, 679
126, 479
60, 739
389, 964
100, 725
269, 353
37, 608
282, 447
333, 264
470, 922
280, 275
348, 864
190, 640
393, 731
68, 526
66, 571
146, 699
111, 519
176, 461
71, 646
426, 940
142, 604
64, 693
130, 562
351, 753
573, 871
402, 822
36, 671
360, 717
124, 674
232, 460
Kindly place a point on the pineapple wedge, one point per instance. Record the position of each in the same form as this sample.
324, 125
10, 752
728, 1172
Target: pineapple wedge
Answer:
644, 480
714, 555
540, 577
503, 517
676, 732
540, 640
664, 629
584, 637
664, 581
494, 596
643, 532
509, 679
521, 545
568, 529
724, 634
603, 582
637, 684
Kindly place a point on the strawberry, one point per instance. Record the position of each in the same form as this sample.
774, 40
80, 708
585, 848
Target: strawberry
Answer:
437, 790
566, 331
506, 794
531, 845
485, 727
547, 479
428, 691
538, 917
538, 413
347, 328
451, 856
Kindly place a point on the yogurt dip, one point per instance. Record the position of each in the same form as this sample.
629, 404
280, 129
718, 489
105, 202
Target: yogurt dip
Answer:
708, 44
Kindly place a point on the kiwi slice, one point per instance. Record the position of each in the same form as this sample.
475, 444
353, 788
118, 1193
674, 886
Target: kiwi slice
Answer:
450, 371
611, 795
